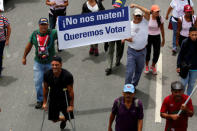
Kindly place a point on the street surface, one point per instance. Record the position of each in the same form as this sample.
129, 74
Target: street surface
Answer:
94, 92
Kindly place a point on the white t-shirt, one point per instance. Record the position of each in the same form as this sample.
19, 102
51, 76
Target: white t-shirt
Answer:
153, 28
139, 34
186, 25
178, 7
94, 8
58, 2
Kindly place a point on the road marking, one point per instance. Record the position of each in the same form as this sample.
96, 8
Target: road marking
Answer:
158, 99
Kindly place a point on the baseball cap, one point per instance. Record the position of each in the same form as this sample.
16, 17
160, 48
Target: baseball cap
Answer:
117, 3
43, 21
187, 8
155, 8
138, 12
129, 88
177, 85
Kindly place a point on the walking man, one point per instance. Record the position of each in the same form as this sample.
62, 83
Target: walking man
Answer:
137, 45
43, 41
187, 63
57, 8
119, 46
5, 31
171, 106
128, 111
57, 82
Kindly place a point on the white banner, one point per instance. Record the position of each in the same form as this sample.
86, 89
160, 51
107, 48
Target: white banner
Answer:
1, 5
93, 28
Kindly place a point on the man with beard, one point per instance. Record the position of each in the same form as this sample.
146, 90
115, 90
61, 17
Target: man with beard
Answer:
128, 111
171, 106
61, 94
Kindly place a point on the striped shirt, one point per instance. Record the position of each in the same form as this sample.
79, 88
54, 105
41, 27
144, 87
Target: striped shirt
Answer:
3, 25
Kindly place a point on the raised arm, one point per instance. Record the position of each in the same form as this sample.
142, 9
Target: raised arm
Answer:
145, 10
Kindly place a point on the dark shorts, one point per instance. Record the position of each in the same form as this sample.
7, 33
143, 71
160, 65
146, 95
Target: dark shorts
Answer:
54, 112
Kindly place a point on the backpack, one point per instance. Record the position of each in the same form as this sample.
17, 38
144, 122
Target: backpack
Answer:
136, 102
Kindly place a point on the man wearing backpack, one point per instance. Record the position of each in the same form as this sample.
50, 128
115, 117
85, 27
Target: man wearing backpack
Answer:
128, 111
43, 41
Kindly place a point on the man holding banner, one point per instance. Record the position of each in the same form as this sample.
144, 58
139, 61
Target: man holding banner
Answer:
171, 106
57, 8
137, 45
119, 46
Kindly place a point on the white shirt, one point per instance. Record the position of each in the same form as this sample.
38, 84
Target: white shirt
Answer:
178, 7
139, 34
186, 25
58, 2
94, 8
153, 28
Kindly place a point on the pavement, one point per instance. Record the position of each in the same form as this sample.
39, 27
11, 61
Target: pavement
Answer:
94, 91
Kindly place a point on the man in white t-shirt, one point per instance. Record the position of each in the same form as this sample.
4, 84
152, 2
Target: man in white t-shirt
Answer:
137, 45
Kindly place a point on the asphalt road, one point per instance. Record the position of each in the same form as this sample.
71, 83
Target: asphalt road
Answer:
94, 92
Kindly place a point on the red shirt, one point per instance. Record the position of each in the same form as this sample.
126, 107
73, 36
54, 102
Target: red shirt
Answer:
171, 107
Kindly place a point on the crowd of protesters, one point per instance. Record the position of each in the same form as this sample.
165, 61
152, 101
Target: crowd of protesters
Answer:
147, 31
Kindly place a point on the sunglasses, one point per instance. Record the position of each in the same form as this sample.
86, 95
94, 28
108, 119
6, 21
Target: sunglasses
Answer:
138, 15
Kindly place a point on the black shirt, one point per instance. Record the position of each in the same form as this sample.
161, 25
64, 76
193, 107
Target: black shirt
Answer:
57, 84
188, 54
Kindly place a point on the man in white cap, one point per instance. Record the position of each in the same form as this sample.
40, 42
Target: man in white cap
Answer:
128, 111
137, 44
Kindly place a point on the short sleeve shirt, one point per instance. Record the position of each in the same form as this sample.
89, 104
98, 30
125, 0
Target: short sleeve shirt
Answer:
127, 119
153, 28
171, 107
57, 85
3, 25
139, 34
178, 7
51, 49
58, 2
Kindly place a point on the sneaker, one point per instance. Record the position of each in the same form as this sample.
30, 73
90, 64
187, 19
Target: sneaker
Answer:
96, 52
174, 52
154, 70
146, 70
117, 63
62, 124
91, 51
108, 71
38, 105
59, 50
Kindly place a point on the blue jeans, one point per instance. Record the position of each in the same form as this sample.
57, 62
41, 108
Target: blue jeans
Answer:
190, 81
39, 70
52, 21
2, 45
135, 65
174, 26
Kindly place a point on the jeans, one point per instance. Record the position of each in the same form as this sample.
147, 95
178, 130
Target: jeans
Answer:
155, 41
52, 21
2, 45
190, 81
174, 26
119, 52
135, 65
39, 70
